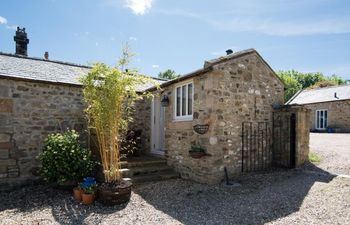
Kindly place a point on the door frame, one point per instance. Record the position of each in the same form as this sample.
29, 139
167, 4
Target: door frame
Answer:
157, 127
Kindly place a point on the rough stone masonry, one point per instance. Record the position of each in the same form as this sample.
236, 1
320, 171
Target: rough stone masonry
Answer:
29, 111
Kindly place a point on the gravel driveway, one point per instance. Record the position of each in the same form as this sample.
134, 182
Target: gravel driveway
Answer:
334, 150
282, 197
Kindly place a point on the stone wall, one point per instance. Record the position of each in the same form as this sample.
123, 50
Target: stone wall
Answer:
282, 136
29, 111
338, 114
142, 121
236, 91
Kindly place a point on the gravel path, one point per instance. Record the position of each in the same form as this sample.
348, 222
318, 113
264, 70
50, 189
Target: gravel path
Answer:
334, 150
284, 197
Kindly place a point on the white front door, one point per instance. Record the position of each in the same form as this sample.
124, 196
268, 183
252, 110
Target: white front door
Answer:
321, 119
157, 120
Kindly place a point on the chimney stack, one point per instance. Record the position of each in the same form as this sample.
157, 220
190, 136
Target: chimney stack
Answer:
229, 51
46, 55
21, 41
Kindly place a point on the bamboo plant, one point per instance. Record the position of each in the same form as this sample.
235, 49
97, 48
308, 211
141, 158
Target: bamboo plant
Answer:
110, 94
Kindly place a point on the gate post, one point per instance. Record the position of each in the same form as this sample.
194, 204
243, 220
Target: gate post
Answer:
291, 136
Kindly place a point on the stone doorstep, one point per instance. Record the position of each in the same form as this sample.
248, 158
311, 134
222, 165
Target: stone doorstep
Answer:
145, 169
153, 177
137, 171
155, 162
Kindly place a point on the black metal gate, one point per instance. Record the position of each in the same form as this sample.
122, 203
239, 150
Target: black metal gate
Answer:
256, 146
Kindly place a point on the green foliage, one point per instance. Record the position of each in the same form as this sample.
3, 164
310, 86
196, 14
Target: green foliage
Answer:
295, 81
64, 159
309, 79
314, 158
324, 83
291, 84
197, 149
110, 94
337, 79
168, 74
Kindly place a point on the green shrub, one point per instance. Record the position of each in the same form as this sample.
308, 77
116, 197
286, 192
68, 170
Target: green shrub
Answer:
314, 158
64, 159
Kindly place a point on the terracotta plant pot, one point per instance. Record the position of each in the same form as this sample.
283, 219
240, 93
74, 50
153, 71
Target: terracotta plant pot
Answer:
197, 155
77, 194
114, 194
88, 199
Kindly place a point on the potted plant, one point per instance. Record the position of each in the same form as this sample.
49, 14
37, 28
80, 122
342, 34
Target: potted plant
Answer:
110, 94
64, 162
88, 187
197, 151
77, 193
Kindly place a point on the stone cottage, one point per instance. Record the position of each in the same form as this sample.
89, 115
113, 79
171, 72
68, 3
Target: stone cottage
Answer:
228, 108
232, 97
330, 107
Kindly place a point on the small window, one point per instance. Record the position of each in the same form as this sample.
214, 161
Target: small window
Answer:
321, 119
183, 101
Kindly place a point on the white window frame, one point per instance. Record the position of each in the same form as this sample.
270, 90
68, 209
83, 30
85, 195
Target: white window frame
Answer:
181, 117
325, 124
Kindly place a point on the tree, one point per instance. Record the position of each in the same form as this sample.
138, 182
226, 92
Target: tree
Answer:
110, 94
295, 81
337, 79
168, 74
309, 79
324, 83
291, 84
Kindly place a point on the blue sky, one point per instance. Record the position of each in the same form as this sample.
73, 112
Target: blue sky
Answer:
308, 36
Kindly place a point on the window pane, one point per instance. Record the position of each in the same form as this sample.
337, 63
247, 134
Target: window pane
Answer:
318, 119
325, 119
178, 101
321, 120
189, 99
184, 100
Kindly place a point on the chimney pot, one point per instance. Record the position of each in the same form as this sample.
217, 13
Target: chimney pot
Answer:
21, 41
46, 55
229, 51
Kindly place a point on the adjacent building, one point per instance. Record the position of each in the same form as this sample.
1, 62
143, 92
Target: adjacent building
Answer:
330, 107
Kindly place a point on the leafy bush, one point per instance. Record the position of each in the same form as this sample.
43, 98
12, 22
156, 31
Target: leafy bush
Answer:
64, 159
314, 158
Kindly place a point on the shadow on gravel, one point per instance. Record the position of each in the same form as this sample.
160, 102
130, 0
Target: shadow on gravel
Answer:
64, 208
261, 198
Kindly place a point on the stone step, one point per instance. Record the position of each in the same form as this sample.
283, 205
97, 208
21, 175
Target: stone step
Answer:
136, 171
165, 175
153, 162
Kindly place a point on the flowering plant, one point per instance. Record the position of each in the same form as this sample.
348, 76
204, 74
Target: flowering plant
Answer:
88, 185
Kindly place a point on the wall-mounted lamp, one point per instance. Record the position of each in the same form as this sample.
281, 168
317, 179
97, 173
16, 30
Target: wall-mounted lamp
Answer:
165, 101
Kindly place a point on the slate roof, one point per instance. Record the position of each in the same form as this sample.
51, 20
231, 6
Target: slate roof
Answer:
326, 94
37, 69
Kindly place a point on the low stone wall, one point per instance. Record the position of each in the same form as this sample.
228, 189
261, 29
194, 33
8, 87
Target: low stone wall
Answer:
29, 111
338, 114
